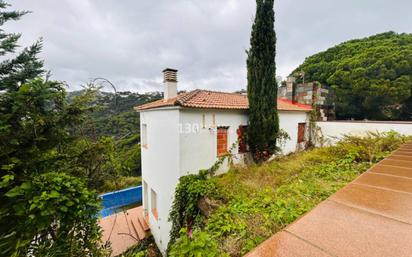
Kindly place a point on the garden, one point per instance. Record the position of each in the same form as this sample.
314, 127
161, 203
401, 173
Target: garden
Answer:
229, 215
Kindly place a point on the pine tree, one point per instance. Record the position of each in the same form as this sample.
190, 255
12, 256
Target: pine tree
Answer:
44, 211
262, 87
25, 65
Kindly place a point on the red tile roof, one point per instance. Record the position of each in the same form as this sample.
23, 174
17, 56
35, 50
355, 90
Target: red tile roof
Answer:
217, 100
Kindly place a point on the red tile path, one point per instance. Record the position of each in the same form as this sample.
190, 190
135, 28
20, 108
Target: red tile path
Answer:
370, 217
124, 229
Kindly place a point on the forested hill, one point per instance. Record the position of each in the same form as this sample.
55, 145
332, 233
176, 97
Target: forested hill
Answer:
114, 116
372, 77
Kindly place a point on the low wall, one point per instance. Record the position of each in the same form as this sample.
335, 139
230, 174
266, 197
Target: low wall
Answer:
334, 130
114, 200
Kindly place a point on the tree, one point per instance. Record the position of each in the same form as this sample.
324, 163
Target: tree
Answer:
371, 77
25, 65
43, 210
262, 87
43, 207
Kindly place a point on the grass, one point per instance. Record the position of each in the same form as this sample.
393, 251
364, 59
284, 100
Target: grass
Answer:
257, 201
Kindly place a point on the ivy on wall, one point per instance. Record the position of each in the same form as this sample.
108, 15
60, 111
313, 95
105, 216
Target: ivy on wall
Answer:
190, 189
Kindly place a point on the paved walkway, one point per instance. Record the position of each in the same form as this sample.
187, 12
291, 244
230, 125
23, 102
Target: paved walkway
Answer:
124, 229
370, 217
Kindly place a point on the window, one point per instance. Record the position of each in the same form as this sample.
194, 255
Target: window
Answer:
222, 140
143, 135
301, 132
145, 197
153, 203
241, 136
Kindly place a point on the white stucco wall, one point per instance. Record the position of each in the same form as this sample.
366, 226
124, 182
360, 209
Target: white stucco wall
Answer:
198, 139
160, 167
334, 130
288, 121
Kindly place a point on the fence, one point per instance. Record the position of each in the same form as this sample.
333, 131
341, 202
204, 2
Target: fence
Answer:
116, 200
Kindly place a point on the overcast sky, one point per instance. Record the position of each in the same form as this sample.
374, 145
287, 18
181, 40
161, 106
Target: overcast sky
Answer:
129, 42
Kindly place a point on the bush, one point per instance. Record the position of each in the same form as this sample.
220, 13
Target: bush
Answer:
184, 211
372, 147
120, 183
193, 244
57, 215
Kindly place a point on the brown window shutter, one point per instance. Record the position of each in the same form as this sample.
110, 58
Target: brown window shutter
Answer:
222, 141
301, 132
241, 136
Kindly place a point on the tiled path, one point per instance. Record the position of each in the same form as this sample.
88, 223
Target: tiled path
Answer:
370, 217
124, 229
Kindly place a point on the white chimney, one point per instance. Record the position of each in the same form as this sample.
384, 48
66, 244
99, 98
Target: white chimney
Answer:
170, 83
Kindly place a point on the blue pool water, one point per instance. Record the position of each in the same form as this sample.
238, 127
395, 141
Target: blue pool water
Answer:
114, 201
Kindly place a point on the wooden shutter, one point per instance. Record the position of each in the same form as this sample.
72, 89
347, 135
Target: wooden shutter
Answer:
241, 136
221, 141
301, 132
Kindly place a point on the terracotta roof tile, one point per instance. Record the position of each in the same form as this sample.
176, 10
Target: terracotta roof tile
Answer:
217, 100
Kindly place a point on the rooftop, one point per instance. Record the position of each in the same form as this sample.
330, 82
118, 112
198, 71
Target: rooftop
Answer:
217, 100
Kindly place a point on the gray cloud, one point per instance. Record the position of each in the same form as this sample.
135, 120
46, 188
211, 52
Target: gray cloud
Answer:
129, 42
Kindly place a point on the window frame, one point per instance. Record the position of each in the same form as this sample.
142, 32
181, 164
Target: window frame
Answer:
153, 204
143, 136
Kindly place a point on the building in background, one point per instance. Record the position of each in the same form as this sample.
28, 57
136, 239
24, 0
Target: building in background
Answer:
318, 96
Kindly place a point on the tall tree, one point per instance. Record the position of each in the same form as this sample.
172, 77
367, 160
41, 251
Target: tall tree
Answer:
43, 210
26, 65
262, 87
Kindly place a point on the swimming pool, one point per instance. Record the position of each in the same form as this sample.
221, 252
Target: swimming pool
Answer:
120, 200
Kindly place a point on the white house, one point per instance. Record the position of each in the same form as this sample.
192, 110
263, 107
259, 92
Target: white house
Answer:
184, 133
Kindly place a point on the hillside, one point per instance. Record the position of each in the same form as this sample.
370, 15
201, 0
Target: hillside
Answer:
114, 116
113, 129
371, 77
229, 215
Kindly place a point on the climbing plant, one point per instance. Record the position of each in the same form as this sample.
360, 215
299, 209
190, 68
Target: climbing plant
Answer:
190, 189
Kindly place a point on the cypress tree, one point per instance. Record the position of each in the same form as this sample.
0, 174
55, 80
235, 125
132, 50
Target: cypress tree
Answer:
262, 87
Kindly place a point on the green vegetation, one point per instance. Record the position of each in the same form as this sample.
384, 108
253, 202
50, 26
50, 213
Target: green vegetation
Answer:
194, 243
371, 77
261, 83
52, 162
145, 248
113, 136
43, 210
252, 203
45, 207
114, 115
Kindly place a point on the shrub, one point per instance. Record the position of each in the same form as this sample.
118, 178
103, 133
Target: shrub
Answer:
372, 147
57, 215
193, 244
185, 212
119, 183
